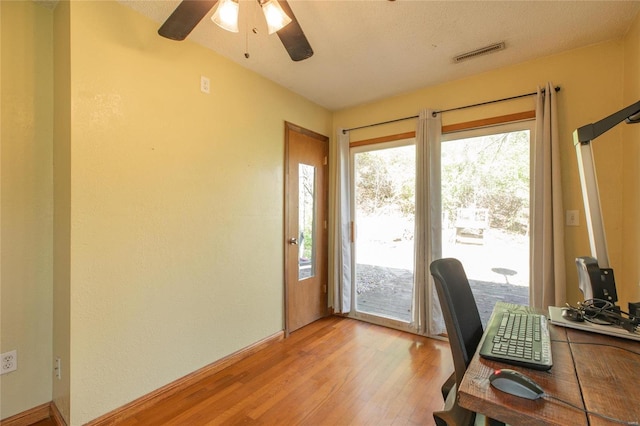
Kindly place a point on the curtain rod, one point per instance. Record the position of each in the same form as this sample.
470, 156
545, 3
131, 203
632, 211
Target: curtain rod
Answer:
344, 131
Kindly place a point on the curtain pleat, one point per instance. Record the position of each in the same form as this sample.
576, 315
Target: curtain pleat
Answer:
427, 315
342, 229
547, 286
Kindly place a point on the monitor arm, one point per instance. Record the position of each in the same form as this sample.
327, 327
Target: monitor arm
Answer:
582, 138
586, 134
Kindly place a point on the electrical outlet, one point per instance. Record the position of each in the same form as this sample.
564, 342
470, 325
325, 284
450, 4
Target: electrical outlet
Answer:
205, 84
57, 368
9, 362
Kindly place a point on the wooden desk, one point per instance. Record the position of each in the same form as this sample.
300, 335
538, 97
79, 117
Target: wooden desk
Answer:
590, 371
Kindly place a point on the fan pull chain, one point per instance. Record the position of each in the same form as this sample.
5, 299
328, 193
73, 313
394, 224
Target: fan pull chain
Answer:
246, 33
246, 42
246, 39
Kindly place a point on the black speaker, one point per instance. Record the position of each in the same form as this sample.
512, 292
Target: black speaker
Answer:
606, 287
599, 280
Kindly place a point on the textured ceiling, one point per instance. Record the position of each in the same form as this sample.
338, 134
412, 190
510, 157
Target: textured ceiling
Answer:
373, 49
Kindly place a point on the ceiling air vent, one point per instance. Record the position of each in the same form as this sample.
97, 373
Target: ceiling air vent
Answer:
479, 52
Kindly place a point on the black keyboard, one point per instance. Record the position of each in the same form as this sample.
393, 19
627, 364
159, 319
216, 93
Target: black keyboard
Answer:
516, 335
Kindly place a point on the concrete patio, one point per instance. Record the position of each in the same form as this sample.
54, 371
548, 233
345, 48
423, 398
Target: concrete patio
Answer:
497, 269
387, 292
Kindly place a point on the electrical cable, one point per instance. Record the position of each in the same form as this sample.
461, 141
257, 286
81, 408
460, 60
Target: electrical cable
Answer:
593, 413
604, 416
575, 372
598, 344
603, 312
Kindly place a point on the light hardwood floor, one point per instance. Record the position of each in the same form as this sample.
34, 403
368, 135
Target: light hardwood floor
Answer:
336, 371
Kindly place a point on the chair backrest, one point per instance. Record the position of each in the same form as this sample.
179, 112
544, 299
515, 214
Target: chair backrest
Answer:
460, 312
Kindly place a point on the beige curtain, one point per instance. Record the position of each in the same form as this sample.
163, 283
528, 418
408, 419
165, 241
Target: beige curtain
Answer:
427, 315
548, 263
342, 259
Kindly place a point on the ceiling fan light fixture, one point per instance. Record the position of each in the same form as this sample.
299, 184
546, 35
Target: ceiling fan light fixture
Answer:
276, 17
226, 15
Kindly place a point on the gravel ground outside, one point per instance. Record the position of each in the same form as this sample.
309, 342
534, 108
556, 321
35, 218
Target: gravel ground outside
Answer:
497, 269
388, 292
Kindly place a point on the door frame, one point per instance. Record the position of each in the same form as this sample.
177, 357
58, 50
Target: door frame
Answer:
324, 248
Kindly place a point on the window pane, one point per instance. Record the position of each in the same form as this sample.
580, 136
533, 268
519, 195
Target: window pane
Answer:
307, 221
485, 207
384, 191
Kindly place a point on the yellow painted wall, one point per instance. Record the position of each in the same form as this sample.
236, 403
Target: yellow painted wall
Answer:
167, 230
631, 175
62, 207
591, 79
176, 206
26, 203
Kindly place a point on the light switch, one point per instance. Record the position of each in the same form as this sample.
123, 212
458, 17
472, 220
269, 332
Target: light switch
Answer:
572, 218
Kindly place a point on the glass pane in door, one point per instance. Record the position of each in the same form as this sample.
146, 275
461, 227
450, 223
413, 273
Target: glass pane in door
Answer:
485, 207
384, 188
307, 222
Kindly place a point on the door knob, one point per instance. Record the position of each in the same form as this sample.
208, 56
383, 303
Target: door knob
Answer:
293, 241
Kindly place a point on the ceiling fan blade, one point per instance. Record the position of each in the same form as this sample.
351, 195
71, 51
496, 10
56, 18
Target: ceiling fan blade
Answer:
292, 36
184, 18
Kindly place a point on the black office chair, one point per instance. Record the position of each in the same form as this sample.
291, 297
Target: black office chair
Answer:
464, 329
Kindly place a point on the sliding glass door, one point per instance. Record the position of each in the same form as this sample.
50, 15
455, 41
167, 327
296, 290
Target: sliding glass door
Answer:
486, 193
486, 198
383, 216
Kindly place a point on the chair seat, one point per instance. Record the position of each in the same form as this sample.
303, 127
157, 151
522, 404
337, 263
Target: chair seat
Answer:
448, 385
453, 414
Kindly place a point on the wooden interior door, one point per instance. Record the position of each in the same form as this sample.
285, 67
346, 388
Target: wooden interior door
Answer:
306, 234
